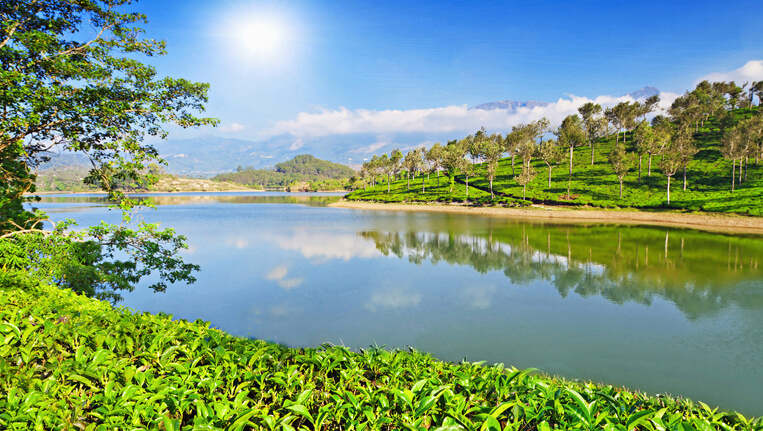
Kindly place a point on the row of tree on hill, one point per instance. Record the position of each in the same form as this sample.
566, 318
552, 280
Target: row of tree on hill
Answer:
669, 135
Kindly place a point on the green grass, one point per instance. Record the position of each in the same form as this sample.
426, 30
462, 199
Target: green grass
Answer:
708, 175
68, 362
399, 192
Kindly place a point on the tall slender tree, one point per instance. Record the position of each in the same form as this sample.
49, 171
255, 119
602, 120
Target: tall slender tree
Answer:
551, 155
434, 158
491, 153
732, 149
669, 165
621, 163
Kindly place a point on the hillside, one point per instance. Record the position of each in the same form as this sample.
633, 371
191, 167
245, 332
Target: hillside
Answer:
708, 178
301, 169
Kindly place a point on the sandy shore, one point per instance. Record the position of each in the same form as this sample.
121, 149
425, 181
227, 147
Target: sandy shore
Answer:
708, 222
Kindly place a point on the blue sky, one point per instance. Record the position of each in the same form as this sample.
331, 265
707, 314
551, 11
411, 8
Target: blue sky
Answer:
377, 56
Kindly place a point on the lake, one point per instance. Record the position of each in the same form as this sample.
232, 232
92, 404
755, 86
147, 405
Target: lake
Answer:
662, 310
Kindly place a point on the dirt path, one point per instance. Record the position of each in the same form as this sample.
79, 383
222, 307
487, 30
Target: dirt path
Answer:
708, 222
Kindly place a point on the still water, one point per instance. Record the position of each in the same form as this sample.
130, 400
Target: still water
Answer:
663, 310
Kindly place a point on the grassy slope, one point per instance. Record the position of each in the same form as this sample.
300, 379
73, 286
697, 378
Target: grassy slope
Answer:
709, 182
69, 362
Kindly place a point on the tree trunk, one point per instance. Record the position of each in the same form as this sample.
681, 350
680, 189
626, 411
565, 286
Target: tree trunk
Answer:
423, 183
549, 176
685, 176
649, 167
733, 172
571, 148
408, 177
438, 178
388, 181
668, 191
621, 188
467, 186
593, 149
740, 171
746, 164
491, 189
524, 189
639, 168
569, 184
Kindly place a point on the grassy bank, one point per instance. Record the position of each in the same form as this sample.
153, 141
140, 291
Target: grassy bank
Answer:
68, 362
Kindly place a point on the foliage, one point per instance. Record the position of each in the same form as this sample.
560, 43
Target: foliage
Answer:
71, 78
306, 164
71, 362
99, 261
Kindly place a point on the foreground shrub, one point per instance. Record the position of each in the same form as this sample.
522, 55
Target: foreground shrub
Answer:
69, 362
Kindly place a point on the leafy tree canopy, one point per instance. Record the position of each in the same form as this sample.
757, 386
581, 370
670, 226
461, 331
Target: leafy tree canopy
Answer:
71, 79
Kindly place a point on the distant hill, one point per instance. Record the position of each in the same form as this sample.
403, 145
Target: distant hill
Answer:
301, 169
513, 105
643, 93
510, 105
306, 164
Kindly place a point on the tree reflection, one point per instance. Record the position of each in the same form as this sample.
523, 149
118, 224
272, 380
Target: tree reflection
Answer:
701, 273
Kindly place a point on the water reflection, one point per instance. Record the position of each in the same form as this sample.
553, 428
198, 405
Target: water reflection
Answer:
694, 270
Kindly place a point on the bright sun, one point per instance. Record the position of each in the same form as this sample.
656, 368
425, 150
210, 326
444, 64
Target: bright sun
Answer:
260, 38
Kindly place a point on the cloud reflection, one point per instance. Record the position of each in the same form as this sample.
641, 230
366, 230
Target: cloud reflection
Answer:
327, 246
279, 273
393, 298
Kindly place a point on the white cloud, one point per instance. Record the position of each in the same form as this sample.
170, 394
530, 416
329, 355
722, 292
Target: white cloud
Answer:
297, 144
233, 128
461, 119
369, 149
752, 71
434, 120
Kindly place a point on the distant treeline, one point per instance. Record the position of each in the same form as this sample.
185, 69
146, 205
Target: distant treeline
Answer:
301, 169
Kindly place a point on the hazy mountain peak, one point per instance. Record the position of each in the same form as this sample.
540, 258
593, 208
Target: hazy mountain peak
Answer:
510, 105
643, 93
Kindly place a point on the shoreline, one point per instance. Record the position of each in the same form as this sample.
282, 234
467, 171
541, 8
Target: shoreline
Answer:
708, 222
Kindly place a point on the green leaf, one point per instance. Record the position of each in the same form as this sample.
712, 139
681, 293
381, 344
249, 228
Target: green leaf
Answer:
302, 411
637, 418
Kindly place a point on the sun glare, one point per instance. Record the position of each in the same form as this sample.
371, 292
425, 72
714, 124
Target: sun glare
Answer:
261, 38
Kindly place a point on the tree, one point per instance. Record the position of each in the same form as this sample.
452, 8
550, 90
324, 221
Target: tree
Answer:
593, 123
395, 162
757, 89
684, 146
466, 168
475, 143
551, 154
91, 95
623, 115
669, 165
453, 159
527, 175
434, 158
570, 134
491, 152
411, 163
732, 148
621, 163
